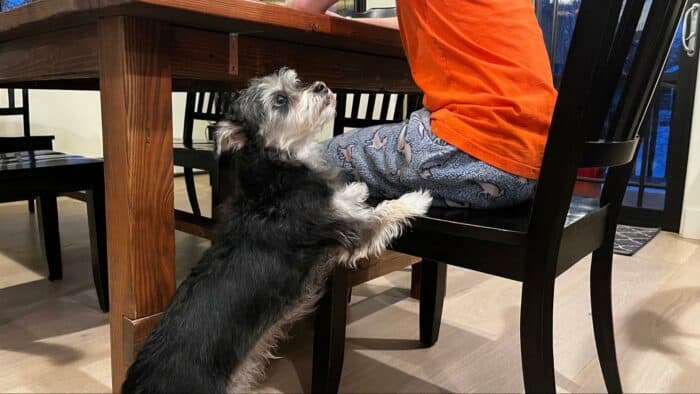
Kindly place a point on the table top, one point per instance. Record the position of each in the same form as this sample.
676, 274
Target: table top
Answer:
247, 17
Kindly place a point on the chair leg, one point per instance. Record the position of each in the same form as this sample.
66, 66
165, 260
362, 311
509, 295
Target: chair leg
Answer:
98, 243
223, 181
50, 238
601, 307
192, 191
536, 336
432, 296
415, 280
329, 335
215, 182
30, 205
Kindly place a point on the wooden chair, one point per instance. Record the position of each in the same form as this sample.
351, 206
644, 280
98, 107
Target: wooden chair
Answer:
206, 106
30, 169
535, 243
19, 109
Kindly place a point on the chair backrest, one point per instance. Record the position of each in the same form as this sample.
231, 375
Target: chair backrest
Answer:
21, 144
203, 105
349, 114
578, 137
17, 107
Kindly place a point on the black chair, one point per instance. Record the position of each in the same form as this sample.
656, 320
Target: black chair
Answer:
206, 106
30, 169
349, 114
16, 109
536, 242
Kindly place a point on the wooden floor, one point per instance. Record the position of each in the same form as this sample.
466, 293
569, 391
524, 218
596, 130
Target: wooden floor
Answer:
53, 337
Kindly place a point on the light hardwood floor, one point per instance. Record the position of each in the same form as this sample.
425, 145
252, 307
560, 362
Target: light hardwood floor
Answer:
53, 337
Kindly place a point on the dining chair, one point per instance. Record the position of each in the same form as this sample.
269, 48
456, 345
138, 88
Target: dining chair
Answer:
19, 108
204, 106
30, 169
536, 242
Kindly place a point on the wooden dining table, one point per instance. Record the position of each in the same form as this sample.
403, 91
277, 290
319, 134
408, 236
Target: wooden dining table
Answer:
136, 53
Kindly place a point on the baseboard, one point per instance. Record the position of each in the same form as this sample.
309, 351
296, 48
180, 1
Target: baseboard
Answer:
690, 223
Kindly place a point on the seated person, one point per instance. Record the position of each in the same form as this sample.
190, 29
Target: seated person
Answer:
488, 96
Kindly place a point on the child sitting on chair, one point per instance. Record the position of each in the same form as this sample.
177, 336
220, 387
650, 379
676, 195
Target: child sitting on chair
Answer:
488, 96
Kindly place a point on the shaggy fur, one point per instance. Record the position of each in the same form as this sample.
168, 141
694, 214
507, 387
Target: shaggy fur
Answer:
288, 224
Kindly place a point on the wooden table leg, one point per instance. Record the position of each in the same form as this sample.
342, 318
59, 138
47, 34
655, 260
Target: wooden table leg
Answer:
136, 87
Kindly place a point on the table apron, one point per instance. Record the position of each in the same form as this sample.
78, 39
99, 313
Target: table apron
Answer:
69, 59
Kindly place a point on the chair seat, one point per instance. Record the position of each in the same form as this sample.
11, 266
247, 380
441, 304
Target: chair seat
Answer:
507, 225
200, 155
198, 146
30, 173
484, 239
12, 163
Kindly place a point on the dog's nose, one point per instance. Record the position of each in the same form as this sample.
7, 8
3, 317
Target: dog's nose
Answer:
320, 87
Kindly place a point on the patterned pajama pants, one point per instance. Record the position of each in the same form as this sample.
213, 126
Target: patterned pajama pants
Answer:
397, 158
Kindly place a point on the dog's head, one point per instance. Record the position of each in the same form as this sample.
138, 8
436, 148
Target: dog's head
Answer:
276, 111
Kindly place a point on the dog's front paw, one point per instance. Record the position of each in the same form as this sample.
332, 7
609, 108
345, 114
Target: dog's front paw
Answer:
357, 192
417, 203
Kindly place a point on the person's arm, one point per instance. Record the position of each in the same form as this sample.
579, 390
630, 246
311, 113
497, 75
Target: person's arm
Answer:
392, 23
318, 6
321, 6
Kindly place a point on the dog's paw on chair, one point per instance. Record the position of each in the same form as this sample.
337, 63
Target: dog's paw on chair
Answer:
417, 203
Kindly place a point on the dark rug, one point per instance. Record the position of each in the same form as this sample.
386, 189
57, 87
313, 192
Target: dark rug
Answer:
629, 239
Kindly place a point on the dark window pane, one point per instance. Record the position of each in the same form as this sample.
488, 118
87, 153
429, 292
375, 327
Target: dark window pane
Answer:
567, 10
664, 110
676, 52
653, 198
545, 16
630, 199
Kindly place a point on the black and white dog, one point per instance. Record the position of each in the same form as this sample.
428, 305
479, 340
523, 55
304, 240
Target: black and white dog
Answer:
289, 224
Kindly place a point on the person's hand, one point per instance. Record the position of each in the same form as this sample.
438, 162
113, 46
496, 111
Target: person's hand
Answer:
391, 23
317, 6
333, 14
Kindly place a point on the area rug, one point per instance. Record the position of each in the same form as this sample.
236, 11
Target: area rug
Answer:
629, 239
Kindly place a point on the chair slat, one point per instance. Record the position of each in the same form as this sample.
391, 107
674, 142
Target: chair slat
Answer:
612, 73
399, 108
338, 125
370, 106
25, 112
384, 111
189, 119
200, 102
647, 67
11, 98
212, 99
355, 108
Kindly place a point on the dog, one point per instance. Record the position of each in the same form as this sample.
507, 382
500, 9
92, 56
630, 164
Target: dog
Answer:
288, 224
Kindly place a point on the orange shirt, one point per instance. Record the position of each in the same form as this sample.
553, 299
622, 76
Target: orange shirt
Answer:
486, 78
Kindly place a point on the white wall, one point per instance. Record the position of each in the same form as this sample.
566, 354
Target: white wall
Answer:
73, 117
690, 222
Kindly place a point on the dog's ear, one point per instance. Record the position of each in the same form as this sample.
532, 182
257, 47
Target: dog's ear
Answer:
229, 137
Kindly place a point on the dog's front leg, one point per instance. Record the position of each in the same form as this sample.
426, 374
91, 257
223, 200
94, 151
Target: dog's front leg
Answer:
378, 225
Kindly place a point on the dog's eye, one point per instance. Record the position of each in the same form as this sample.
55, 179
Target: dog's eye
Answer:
280, 100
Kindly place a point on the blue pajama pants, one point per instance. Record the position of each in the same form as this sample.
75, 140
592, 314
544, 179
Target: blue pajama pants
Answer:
396, 158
